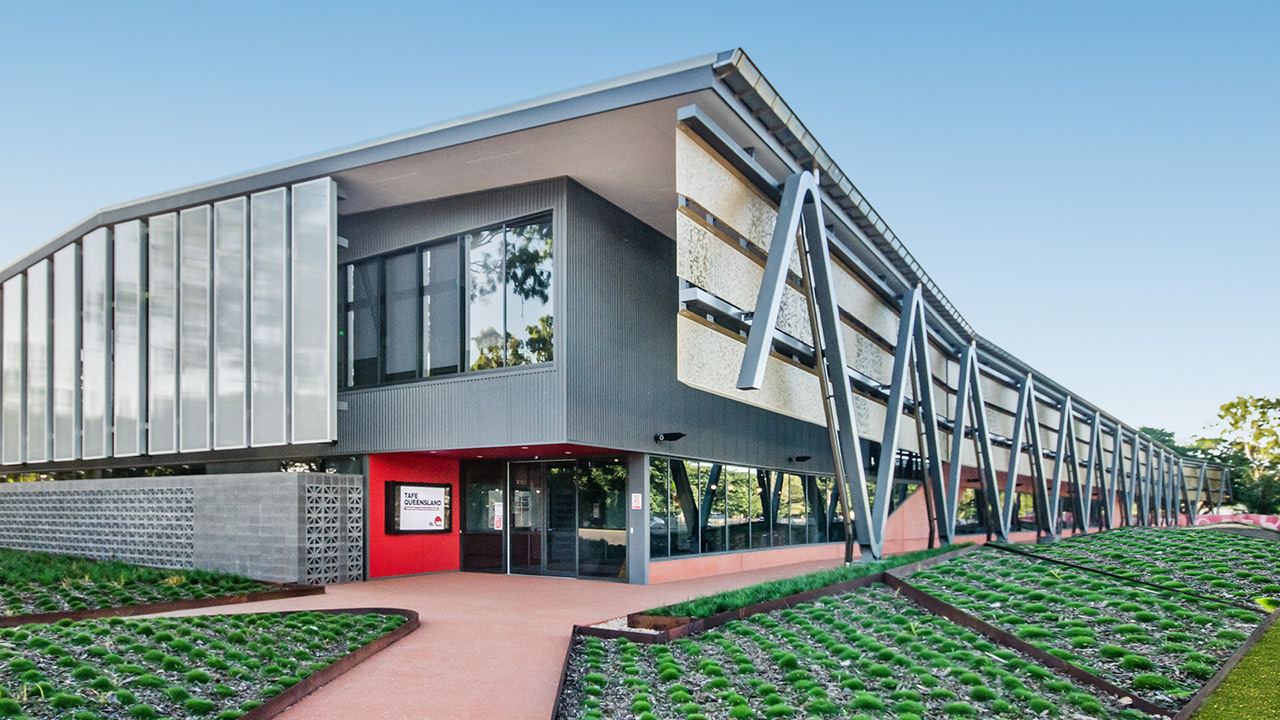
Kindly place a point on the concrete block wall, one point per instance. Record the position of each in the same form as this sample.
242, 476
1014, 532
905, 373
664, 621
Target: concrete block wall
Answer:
280, 527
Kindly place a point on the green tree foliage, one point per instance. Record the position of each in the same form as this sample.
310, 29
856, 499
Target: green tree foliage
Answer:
1249, 444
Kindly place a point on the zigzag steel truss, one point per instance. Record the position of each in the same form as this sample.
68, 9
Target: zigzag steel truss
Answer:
1147, 484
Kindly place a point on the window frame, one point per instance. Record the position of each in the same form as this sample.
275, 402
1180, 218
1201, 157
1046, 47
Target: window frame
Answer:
462, 285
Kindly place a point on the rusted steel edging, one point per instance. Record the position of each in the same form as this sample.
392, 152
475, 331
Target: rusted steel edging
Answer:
1096, 571
564, 675
275, 705
284, 591
938, 606
1203, 694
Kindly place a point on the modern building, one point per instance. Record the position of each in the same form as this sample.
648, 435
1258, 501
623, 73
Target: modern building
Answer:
511, 343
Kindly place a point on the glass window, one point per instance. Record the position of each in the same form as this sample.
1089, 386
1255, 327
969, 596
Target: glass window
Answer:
441, 313
528, 292
366, 320
401, 310
739, 489
684, 509
797, 516
230, 323
602, 520
715, 528
762, 509
509, 312
659, 506
485, 292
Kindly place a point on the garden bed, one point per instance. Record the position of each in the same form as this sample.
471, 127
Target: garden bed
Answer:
667, 616
864, 654
220, 666
1221, 565
36, 587
1162, 644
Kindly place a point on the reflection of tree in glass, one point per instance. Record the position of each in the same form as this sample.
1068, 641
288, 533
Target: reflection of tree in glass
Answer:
528, 246
525, 249
538, 349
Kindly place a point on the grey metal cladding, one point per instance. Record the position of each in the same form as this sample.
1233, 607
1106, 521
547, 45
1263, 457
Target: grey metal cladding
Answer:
509, 406
619, 350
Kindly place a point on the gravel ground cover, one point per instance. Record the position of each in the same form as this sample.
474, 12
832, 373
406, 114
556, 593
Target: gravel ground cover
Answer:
866, 654
218, 666
36, 582
1222, 565
1162, 644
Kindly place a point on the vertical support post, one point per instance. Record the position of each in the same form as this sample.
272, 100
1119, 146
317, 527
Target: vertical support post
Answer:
638, 519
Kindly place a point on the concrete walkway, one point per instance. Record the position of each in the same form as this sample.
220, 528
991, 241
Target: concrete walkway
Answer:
490, 646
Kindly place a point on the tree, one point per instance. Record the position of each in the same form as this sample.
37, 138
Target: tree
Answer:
1165, 437
1249, 443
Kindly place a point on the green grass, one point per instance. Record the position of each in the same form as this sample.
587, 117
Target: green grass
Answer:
37, 582
774, 589
1252, 690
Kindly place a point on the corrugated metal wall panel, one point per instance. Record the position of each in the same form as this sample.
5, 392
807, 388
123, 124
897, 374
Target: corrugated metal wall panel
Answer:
619, 347
382, 231
488, 409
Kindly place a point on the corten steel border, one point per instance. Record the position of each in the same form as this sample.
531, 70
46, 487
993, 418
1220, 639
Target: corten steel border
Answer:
1200, 697
1116, 576
564, 676
287, 590
937, 606
275, 705
678, 627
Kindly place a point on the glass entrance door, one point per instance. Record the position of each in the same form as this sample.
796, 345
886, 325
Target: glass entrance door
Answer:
543, 511
564, 518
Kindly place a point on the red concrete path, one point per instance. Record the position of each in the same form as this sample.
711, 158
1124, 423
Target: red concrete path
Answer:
490, 646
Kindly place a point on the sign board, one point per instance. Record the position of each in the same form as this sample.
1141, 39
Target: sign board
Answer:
419, 508
637, 501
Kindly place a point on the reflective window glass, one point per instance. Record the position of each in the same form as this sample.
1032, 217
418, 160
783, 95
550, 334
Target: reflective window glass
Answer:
485, 321
659, 507
441, 313
402, 325
738, 492
366, 321
528, 274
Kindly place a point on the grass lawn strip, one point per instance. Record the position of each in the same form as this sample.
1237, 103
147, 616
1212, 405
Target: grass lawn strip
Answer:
763, 592
217, 666
866, 654
1161, 644
1231, 567
1252, 690
36, 582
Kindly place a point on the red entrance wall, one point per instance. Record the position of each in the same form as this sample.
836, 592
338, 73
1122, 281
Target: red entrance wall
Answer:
419, 553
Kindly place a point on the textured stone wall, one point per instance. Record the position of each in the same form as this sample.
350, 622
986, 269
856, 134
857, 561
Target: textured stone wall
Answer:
281, 527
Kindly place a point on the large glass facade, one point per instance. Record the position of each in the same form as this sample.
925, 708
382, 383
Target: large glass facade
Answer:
704, 507
403, 317
95, 354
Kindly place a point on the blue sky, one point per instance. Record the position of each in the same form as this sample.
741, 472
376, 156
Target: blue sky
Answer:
1093, 184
